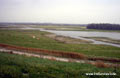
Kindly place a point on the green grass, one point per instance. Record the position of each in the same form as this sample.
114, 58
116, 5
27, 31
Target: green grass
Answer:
24, 38
18, 66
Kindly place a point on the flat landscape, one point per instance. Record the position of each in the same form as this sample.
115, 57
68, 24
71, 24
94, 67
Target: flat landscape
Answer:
22, 66
25, 38
68, 28
59, 39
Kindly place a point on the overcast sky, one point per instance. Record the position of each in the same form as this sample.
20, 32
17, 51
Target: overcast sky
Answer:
60, 11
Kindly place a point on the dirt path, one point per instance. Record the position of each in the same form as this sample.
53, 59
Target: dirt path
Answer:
3, 50
41, 56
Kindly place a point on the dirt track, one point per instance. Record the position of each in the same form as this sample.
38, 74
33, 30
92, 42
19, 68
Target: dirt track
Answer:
60, 56
53, 58
40, 56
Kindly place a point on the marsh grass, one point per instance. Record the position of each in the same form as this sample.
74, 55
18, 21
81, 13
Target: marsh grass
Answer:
24, 38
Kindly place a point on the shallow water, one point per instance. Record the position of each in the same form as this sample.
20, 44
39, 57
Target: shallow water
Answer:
81, 34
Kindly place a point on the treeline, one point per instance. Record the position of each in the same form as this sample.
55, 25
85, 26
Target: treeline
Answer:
104, 26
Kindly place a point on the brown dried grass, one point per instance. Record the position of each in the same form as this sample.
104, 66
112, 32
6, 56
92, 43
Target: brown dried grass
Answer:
71, 60
101, 64
49, 52
52, 58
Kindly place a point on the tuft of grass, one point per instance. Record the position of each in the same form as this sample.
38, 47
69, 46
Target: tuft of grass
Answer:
101, 64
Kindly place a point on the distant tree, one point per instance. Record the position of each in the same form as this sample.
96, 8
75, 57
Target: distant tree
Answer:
104, 26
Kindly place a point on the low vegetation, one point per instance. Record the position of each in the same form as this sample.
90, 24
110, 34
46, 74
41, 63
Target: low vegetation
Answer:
16, 66
25, 38
68, 40
105, 39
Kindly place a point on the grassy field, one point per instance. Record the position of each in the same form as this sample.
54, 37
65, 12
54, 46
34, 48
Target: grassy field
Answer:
18, 66
25, 38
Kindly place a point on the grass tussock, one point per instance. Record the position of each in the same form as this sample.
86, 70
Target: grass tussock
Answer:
53, 59
101, 64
